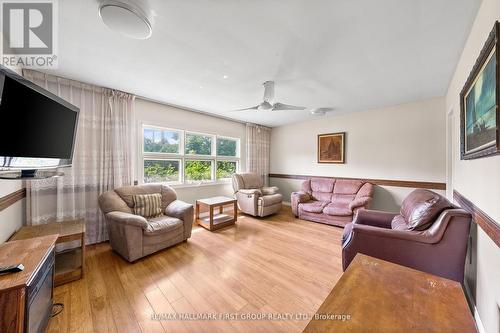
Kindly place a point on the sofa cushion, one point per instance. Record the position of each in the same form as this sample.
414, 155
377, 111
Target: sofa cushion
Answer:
347, 186
314, 206
343, 198
127, 192
322, 196
338, 209
272, 199
420, 208
251, 180
147, 205
162, 224
322, 184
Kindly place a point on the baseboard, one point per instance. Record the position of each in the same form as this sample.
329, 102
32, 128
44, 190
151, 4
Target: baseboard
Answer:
479, 323
287, 203
477, 319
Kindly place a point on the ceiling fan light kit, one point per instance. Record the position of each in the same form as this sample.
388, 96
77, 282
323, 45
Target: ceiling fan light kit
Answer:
127, 17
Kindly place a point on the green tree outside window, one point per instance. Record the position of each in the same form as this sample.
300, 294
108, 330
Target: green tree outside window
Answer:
226, 147
225, 169
198, 144
157, 171
198, 170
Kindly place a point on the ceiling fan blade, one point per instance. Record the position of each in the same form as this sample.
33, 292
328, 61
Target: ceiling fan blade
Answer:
282, 107
268, 91
247, 109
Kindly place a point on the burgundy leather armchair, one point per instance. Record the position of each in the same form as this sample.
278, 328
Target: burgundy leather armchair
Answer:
429, 234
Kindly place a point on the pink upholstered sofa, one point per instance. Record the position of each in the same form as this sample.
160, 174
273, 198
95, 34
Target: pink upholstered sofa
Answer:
331, 201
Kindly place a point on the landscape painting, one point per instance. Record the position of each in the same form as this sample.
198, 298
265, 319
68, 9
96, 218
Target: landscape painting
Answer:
331, 148
480, 110
479, 103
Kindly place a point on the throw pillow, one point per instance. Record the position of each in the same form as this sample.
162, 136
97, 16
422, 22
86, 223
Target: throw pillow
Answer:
147, 205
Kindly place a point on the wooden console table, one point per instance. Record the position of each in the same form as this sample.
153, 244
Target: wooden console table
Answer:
69, 263
218, 220
379, 296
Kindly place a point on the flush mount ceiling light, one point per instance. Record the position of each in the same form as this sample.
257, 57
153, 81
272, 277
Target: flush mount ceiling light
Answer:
127, 18
320, 111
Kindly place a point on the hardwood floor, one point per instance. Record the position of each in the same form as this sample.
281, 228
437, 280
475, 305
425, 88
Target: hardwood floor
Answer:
274, 265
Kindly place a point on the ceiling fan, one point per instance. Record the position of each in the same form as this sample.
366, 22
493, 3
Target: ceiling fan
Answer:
268, 99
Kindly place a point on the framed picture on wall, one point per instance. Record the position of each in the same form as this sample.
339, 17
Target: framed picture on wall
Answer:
331, 148
479, 100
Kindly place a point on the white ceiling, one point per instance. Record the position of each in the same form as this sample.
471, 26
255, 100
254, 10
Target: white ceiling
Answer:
348, 54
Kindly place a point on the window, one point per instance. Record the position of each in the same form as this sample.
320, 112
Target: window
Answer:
196, 171
157, 171
161, 141
181, 157
227, 147
198, 144
225, 169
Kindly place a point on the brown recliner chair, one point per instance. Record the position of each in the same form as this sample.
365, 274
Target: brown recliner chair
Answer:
134, 236
430, 234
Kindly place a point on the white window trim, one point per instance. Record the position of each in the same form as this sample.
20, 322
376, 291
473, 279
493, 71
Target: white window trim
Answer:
183, 157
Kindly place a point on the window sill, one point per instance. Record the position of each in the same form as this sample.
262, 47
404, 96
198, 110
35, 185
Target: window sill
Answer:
216, 183
201, 184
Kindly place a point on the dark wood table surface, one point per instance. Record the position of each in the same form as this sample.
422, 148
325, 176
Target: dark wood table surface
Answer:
378, 296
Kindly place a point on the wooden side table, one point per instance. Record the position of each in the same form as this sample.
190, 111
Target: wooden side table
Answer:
218, 220
69, 263
374, 295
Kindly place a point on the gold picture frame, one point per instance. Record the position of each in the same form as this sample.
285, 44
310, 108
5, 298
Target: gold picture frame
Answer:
331, 148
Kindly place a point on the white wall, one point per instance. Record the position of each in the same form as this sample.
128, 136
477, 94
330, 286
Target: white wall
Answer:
478, 180
11, 218
151, 113
405, 142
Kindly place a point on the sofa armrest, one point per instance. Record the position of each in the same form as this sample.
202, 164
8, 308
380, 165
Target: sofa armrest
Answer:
269, 190
248, 201
250, 192
374, 218
360, 202
183, 211
297, 198
128, 219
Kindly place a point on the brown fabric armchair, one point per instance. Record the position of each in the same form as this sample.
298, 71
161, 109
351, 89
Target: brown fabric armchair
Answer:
429, 235
134, 236
253, 198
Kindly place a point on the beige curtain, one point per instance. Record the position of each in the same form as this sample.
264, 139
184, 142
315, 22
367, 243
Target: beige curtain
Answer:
102, 160
258, 150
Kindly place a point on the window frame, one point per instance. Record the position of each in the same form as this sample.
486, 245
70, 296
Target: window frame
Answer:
182, 157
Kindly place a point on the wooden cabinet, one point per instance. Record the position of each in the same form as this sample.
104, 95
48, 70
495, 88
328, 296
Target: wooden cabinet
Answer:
33, 254
69, 261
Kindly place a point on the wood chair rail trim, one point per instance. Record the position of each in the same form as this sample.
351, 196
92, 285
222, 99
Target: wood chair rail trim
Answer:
381, 182
489, 225
11, 198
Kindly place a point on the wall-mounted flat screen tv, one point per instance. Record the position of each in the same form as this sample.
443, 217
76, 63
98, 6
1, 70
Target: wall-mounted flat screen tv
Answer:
37, 128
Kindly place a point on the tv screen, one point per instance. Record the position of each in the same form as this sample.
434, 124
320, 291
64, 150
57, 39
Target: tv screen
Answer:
37, 128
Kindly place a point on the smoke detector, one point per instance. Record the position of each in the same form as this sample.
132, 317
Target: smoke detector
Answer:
127, 17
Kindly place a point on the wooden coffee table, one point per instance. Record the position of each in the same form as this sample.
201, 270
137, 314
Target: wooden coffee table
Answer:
218, 220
